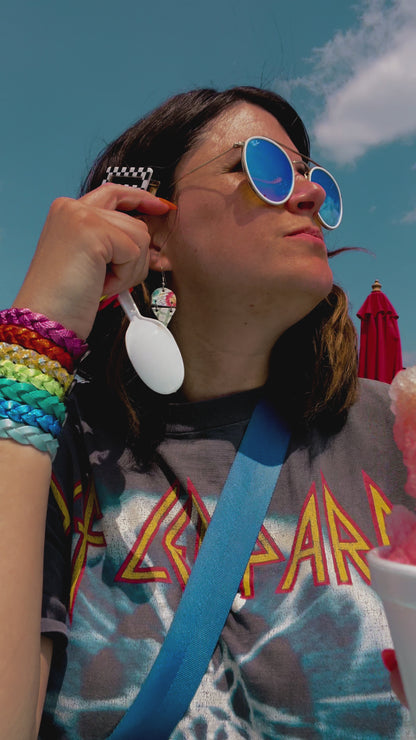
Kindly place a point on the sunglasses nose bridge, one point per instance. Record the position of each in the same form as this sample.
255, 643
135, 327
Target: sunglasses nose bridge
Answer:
306, 194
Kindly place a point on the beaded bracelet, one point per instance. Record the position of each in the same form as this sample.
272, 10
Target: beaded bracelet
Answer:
25, 414
32, 340
28, 435
30, 358
13, 390
46, 328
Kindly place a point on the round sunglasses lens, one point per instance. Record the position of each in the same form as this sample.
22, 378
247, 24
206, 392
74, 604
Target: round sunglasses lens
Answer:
269, 169
331, 209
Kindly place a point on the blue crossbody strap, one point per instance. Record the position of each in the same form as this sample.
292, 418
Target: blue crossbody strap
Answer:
213, 583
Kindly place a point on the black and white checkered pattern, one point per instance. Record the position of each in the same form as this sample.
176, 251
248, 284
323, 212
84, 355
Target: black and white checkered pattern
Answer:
135, 177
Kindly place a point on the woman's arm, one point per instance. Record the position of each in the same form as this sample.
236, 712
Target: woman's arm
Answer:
87, 247
24, 488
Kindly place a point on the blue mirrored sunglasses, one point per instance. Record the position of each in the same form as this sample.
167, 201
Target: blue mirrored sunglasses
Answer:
271, 174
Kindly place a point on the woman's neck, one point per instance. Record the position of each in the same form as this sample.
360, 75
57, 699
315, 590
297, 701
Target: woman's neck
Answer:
219, 362
222, 376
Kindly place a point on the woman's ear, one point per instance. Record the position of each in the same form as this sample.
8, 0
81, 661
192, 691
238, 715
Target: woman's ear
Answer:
158, 258
159, 234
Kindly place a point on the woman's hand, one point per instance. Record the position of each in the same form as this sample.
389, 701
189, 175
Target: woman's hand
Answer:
89, 248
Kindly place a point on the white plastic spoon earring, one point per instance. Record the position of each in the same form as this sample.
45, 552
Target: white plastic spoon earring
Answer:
152, 349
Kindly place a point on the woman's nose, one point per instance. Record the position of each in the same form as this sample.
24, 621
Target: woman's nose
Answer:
307, 196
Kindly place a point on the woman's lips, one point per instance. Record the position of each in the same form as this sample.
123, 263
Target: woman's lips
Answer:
312, 235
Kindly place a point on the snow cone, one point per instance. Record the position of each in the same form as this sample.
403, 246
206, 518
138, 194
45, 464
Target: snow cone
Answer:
393, 571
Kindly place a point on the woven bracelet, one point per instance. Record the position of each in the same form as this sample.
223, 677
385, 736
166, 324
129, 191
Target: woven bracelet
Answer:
29, 375
32, 340
48, 329
28, 435
30, 358
25, 414
12, 390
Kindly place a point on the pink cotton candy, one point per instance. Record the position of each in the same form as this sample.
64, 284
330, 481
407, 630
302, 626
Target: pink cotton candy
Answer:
403, 396
401, 524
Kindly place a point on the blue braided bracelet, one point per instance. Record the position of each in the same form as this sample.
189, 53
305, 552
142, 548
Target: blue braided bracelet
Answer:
28, 435
25, 414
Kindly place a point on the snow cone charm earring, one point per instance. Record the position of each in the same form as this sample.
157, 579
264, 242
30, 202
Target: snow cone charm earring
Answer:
163, 303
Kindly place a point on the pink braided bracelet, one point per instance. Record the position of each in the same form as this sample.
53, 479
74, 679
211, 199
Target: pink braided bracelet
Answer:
46, 328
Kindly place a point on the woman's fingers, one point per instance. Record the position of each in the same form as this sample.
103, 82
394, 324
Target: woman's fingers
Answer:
121, 198
89, 247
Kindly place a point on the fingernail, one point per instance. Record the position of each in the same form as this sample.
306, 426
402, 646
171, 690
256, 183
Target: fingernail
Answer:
388, 657
172, 206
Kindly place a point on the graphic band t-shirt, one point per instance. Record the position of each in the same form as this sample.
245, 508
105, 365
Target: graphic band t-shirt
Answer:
299, 656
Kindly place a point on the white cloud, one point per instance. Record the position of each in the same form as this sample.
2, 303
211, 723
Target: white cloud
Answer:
367, 76
409, 218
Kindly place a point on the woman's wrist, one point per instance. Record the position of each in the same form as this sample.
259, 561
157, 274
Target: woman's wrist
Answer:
46, 328
37, 359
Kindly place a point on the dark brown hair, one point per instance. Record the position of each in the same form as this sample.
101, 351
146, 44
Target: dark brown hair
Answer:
161, 138
313, 367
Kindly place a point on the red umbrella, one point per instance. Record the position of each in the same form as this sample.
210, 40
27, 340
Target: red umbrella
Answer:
380, 355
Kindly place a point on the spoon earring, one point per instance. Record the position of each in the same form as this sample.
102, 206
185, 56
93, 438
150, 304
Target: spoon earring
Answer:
152, 349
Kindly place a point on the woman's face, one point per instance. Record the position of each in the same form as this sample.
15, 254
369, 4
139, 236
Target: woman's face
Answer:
227, 243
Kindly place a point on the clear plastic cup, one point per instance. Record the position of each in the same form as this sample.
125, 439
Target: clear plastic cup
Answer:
395, 583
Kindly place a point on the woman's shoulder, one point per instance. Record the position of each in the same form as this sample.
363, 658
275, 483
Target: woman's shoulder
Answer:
373, 395
370, 420
371, 415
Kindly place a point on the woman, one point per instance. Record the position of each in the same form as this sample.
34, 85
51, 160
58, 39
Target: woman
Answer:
137, 475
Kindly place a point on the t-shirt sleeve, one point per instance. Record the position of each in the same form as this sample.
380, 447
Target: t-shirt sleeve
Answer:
56, 571
70, 469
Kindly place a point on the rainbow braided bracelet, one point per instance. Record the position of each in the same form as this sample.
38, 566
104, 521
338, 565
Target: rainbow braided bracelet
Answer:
37, 358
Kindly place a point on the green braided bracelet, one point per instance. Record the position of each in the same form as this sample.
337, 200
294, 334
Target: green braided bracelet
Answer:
24, 393
30, 375
30, 358
28, 435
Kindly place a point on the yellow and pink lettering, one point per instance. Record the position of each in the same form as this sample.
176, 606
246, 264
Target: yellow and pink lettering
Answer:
266, 552
380, 507
307, 545
196, 512
86, 538
346, 539
199, 515
132, 569
176, 552
59, 497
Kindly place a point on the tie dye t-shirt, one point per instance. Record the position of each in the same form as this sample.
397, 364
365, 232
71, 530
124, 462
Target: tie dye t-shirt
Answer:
299, 656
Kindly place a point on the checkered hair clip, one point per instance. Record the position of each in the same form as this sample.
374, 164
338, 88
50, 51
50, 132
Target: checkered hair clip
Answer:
134, 177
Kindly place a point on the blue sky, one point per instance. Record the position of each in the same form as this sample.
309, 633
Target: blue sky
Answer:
74, 75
